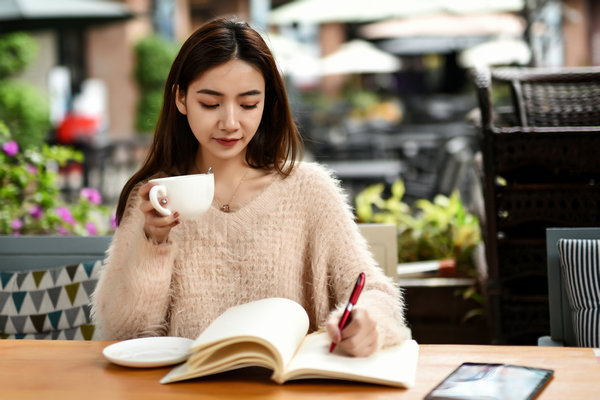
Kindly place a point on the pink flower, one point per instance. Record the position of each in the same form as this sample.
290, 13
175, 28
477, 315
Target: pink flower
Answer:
16, 224
36, 211
32, 169
65, 214
91, 228
62, 230
10, 148
92, 195
113, 221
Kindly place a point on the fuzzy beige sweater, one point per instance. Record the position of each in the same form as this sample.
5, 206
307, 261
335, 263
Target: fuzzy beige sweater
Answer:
297, 239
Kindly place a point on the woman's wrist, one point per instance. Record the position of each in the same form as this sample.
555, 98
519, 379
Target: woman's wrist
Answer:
155, 240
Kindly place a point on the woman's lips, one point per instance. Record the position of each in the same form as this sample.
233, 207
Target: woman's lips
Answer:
227, 142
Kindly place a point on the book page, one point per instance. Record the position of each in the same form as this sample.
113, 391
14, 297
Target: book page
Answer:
280, 322
395, 366
225, 358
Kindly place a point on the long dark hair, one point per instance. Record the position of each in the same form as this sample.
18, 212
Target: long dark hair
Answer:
277, 141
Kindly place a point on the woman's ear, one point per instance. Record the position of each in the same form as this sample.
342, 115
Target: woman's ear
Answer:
180, 101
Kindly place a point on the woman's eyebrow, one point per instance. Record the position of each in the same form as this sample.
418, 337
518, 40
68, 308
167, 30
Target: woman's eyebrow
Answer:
211, 92
253, 92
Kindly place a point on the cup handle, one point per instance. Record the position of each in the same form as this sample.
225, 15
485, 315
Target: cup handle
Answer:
156, 191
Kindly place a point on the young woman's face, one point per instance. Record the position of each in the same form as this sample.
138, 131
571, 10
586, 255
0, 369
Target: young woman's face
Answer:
224, 107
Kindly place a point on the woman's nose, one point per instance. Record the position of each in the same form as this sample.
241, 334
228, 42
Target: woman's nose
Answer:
229, 118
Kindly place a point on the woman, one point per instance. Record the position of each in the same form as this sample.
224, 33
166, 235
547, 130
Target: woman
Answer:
277, 227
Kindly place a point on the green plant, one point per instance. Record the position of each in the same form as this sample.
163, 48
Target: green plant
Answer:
25, 112
31, 199
148, 110
154, 56
17, 50
22, 107
427, 230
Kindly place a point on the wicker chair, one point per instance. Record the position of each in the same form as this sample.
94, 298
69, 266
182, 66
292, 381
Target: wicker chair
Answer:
539, 144
553, 97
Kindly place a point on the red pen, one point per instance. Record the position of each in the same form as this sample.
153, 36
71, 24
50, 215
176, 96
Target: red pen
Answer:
360, 283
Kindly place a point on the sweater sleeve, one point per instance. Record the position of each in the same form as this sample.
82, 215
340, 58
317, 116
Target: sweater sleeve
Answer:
340, 246
132, 296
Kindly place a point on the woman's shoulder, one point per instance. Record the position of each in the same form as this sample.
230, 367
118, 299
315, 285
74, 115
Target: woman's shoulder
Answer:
314, 172
315, 180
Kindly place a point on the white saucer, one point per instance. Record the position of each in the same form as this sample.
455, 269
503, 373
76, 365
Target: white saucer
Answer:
148, 352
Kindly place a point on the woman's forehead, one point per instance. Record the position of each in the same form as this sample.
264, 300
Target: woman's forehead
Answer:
234, 73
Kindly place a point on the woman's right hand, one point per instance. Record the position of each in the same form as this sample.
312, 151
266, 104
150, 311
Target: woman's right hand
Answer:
156, 225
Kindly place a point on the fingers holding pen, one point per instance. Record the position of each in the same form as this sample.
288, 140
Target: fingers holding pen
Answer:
359, 337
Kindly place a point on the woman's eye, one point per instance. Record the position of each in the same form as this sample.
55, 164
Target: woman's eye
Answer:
209, 106
249, 106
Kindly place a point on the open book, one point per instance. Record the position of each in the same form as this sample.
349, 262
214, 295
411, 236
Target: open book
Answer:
272, 333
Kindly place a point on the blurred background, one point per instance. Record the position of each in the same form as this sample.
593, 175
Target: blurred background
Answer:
381, 89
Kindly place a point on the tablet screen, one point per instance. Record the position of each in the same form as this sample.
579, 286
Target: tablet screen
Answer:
491, 381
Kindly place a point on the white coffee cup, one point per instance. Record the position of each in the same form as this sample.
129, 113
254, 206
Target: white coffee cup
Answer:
189, 195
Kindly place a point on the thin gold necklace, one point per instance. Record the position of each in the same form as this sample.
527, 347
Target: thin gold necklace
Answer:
226, 207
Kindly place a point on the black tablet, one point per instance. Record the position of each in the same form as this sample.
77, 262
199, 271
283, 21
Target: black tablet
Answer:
483, 381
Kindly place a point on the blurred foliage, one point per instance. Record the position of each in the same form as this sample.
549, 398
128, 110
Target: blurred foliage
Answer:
427, 230
148, 110
25, 111
17, 51
32, 202
154, 56
356, 105
23, 108
31, 199
362, 99
367, 105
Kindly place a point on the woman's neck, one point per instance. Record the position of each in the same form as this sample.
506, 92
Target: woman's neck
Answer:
226, 171
236, 183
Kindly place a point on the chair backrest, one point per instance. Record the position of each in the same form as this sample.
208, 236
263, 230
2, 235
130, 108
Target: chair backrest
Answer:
26, 253
383, 243
46, 283
555, 97
561, 325
545, 97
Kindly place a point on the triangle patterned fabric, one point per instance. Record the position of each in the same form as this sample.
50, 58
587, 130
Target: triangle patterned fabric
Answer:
49, 304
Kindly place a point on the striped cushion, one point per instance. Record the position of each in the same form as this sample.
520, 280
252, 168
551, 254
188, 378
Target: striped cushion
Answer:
580, 262
48, 304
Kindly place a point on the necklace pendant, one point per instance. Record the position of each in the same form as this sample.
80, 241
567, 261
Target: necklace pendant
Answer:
225, 208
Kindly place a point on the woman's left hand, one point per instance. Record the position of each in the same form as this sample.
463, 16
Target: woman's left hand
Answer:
359, 337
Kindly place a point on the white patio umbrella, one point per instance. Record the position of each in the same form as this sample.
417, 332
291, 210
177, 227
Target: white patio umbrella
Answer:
359, 56
321, 11
445, 24
496, 52
294, 59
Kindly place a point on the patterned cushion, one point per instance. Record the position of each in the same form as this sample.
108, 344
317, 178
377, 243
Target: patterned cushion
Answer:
48, 304
580, 262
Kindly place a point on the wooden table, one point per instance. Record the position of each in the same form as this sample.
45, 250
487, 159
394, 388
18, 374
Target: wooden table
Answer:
31, 369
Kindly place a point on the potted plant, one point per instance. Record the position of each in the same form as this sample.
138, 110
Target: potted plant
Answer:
441, 229
32, 200
438, 229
